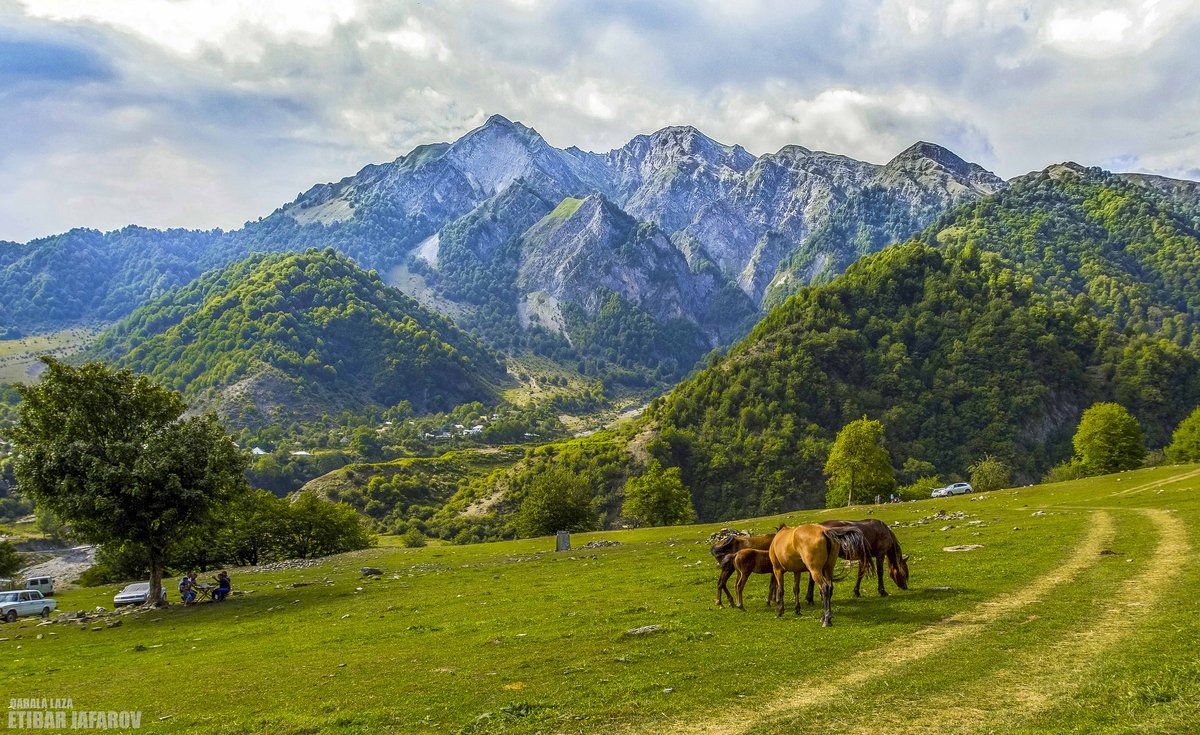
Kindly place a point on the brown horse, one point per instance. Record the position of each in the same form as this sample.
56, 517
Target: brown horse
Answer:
725, 550
883, 545
815, 548
757, 561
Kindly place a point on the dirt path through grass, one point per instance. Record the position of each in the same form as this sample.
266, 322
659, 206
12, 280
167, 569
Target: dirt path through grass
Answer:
913, 648
1036, 679
1156, 484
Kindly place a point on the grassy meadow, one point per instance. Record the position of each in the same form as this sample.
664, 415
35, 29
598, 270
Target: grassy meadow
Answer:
1078, 614
19, 357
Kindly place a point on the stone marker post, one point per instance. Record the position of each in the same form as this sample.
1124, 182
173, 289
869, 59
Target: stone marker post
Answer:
562, 542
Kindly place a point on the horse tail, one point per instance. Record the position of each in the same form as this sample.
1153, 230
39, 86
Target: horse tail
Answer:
838, 573
854, 545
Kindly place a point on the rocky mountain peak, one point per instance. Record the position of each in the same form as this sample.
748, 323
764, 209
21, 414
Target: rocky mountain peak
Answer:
922, 151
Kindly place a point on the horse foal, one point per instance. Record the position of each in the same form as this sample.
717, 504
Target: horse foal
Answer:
725, 550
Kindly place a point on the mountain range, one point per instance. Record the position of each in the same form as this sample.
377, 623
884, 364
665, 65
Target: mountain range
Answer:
673, 237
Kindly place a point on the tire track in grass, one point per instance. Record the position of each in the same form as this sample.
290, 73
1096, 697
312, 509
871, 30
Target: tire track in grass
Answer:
1156, 484
1038, 679
868, 665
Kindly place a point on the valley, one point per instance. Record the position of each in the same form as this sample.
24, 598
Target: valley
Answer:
1067, 616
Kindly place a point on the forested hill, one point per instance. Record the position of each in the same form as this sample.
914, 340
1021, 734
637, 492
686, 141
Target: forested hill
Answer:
1128, 250
300, 334
958, 352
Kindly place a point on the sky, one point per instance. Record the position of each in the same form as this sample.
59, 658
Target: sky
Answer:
210, 113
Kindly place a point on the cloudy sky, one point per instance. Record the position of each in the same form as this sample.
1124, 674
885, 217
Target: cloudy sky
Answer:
206, 113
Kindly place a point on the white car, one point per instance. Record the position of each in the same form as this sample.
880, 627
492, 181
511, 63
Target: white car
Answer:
135, 594
24, 602
958, 488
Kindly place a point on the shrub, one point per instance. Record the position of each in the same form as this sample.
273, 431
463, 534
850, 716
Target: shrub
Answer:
658, 497
920, 489
989, 474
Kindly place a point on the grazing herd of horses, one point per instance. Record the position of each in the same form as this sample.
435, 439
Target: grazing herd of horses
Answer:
813, 548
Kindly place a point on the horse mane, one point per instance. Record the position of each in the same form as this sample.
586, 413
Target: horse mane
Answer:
894, 552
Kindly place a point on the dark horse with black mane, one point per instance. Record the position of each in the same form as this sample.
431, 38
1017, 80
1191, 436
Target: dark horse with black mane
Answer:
882, 544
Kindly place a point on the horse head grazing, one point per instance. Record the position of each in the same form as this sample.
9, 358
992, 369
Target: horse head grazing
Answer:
898, 567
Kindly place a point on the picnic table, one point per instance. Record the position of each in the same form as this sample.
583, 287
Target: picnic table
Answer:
204, 592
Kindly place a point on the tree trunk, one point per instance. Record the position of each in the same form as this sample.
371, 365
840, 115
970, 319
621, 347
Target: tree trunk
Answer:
850, 492
154, 598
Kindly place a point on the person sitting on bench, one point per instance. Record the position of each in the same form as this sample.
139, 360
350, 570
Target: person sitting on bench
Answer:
223, 586
187, 588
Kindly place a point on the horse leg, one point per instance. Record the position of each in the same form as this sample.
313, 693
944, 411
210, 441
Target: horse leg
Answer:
862, 569
809, 598
777, 574
826, 583
725, 572
743, 575
796, 590
879, 574
772, 591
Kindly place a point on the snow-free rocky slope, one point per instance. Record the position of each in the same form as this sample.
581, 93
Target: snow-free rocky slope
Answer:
675, 233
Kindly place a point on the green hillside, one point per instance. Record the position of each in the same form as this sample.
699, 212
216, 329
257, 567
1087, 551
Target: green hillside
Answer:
1094, 239
1071, 615
988, 335
300, 334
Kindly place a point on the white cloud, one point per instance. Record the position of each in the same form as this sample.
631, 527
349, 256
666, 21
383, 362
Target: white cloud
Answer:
187, 26
246, 104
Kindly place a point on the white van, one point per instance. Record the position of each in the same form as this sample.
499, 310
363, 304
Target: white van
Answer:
45, 585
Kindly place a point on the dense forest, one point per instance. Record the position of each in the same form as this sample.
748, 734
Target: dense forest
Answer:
986, 336
310, 328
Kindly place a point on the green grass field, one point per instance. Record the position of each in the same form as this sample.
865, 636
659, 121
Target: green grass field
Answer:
19, 357
1037, 631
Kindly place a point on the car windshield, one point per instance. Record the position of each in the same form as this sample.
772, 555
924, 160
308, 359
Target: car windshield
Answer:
135, 588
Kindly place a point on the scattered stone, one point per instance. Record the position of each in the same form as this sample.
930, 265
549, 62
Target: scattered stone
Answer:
358, 589
947, 528
71, 615
668, 690
1016, 528
600, 544
345, 616
115, 624
371, 572
723, 534
942, 515
1038, 513
294, 585
39, 636
963, 547
974, 523
341, 666
645, 629
97, 628
1107, 552
276, 566
940, 589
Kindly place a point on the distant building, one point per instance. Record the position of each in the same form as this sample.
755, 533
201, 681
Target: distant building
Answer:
258, 451
302, 453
